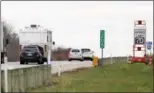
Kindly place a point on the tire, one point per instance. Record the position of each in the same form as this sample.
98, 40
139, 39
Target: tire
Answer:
69, 59
81, 59
91, 59
40, 61
147, 62
22, 62
44, 59
2, 61
131, 62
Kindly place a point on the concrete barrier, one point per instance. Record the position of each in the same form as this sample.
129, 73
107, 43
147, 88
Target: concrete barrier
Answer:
71, 66
22, 79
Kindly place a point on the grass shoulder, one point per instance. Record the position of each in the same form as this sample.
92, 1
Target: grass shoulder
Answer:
120, 77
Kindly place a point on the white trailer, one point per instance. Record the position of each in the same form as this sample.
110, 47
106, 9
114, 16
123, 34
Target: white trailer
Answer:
37, 35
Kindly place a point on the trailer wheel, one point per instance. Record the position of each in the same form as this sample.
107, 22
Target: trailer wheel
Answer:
131, 62
146, 63
81, 59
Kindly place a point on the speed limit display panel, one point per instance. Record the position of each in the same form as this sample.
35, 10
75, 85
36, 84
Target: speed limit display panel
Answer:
139, 36
139, 40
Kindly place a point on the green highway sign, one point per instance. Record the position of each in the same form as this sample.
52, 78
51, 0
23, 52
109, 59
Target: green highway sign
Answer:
102, 39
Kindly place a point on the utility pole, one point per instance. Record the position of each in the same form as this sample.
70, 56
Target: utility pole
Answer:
1, 42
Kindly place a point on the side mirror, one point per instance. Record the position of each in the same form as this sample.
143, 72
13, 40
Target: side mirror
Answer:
53, 42
7, 41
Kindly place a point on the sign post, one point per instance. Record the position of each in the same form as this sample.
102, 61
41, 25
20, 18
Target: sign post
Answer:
102, 44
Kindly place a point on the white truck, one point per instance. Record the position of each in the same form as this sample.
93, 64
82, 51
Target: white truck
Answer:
37, 35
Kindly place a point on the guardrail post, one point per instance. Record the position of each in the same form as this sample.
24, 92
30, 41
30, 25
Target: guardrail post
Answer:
111, 59
6, 74
59, 70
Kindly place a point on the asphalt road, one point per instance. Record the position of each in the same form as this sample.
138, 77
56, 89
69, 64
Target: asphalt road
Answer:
64, 65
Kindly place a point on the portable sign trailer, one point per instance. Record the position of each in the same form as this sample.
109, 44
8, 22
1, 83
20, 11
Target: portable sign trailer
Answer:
139, 46
37, 35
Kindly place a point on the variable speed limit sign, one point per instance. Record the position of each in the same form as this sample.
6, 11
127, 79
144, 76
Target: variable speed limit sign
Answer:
139, 40
139, 36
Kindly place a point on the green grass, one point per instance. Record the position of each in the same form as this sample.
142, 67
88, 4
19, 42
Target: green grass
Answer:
110, 78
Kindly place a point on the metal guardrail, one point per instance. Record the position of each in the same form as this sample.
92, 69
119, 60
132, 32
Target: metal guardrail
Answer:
111, 60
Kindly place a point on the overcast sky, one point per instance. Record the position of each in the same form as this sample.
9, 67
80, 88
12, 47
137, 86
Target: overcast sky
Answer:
77, 24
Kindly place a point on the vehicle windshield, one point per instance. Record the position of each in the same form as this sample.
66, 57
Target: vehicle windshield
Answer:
85, 50
30, 49
75, 50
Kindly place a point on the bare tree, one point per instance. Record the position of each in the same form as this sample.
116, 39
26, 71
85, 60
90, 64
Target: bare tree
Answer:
12, 49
